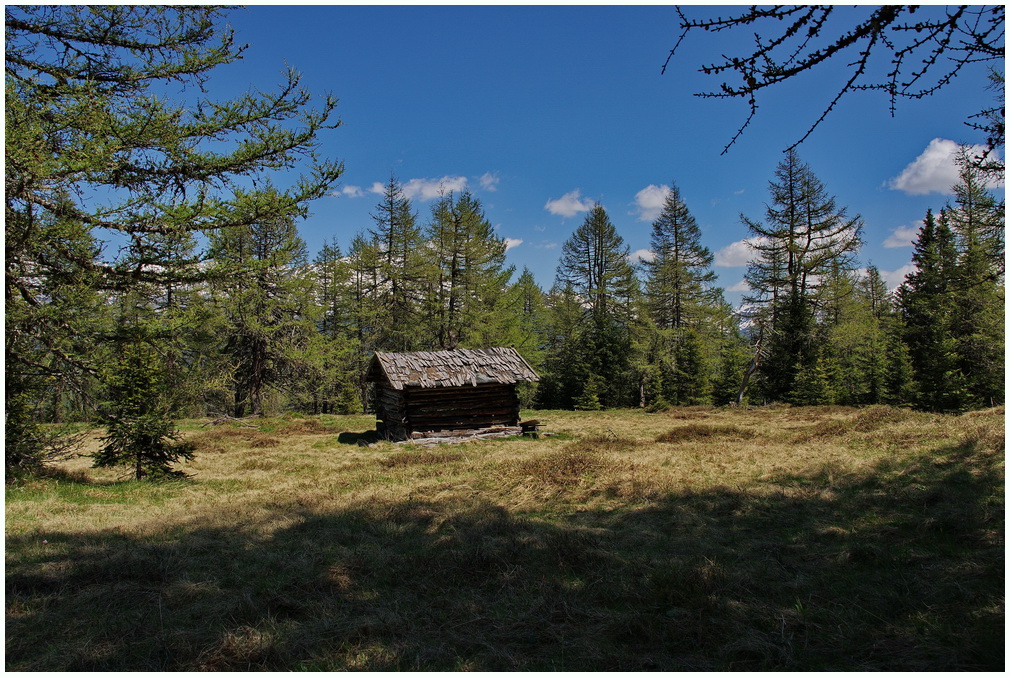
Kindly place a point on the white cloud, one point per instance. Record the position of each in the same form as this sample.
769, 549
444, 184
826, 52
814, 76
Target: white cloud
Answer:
349, 191
511, 242
902, 236
894, 278
736, 254
569, 204
934, 171
650, 201
377, 188
641, 255
547, 245
429, 189
489, 181
739, 286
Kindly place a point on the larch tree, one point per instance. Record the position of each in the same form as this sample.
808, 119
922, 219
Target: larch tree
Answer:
264, 289
334, 361
467, 276
97, 147
398, 239
803, 236
903, 51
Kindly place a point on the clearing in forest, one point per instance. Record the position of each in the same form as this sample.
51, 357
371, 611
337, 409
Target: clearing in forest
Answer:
821, 538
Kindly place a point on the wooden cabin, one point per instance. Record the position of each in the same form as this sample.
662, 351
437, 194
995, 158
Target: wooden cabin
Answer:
430, 393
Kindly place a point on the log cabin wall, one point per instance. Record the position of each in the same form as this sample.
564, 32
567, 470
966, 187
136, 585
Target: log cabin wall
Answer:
461, 408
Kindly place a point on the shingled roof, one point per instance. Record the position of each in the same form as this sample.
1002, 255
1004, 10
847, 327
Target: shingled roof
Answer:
448, 368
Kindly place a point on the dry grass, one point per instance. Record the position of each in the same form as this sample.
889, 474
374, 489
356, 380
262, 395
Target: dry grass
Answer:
702, 539
414, 458
688, 433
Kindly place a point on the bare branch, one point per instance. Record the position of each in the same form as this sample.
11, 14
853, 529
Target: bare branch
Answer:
922, 56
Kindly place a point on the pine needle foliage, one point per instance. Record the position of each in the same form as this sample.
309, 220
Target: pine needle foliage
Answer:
140, 434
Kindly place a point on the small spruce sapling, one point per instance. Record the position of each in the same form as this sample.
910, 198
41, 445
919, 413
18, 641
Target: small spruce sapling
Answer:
140, 432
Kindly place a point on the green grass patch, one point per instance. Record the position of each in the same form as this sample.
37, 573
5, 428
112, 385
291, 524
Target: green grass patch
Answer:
77, 493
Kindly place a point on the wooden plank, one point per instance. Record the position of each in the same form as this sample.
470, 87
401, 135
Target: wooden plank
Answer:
416, 415
470, 409
461, 401
460, 425
432, 439
413, 394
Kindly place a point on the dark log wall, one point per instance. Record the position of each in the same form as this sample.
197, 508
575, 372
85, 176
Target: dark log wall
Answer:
466, 407
390, 411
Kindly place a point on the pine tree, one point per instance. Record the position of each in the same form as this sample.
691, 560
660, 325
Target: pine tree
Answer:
681, 302
813, 383
589, 398
366, 315
524, 325
530, 307
977, 320
566, 361
691, 382
927, 303
594, 268
899, 387
875, 313
594, 263
852, 313
679, 279
733, 361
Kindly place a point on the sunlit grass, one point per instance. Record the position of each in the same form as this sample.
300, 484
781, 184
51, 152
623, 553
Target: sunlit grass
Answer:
692, 539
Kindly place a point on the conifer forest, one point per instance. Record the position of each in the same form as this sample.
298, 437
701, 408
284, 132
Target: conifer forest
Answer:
215, 307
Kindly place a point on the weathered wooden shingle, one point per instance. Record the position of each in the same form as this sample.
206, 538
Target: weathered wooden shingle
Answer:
451, 368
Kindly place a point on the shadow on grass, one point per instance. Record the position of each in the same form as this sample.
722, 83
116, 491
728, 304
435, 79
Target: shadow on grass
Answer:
898, 569
360, 439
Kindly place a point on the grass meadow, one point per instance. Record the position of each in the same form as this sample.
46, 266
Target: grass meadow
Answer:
776, 538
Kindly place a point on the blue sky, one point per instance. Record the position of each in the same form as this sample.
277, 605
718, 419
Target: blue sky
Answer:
541, 111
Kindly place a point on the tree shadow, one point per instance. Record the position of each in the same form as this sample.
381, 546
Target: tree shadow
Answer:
60, 474
900, 568
359, 439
